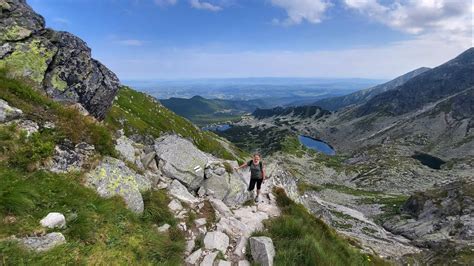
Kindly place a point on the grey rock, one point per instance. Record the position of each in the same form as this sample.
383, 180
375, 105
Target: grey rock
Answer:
209, 259
29, 126
181, 160
54, 220
62, 67
179, 191
67, 157
216, 240
190, 246
125, 147
112, 177
148, 159
224, 263
243, 263
193, 259
43, 243
175, 206
438, 216
239, 250
200, 222
164, 228
75, 77
19, 22
228, 187
220, 207
8, 113
262, 250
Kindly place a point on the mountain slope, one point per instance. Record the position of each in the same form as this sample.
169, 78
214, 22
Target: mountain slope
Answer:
362, 96
143, 118
204, 111
302, 112
447, 79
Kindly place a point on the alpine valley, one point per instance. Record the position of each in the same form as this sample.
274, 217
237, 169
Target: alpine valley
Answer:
93, 172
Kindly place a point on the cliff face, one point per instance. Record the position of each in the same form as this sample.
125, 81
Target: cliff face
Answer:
58, 63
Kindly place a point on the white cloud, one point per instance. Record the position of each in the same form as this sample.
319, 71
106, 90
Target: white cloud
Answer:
130, 42
204, 5
442, 17
298, 11
165, 2
386, 61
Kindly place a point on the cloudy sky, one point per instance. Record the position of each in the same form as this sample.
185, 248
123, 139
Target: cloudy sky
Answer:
173, 39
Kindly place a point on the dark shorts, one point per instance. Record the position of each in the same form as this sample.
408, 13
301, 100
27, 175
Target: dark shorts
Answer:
253, 182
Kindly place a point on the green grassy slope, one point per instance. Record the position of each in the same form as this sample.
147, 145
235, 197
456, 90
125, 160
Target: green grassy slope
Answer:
302, 239
99, 231
139, 113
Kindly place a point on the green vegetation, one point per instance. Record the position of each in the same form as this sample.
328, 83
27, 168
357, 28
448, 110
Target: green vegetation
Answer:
40, 108
266, 141
291, 145
302, 239
99, 231
138, 113
202, 111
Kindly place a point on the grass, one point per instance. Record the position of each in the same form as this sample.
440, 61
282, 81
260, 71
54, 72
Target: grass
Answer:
99, 231
391, 206
69, 122
138, 113
302, 239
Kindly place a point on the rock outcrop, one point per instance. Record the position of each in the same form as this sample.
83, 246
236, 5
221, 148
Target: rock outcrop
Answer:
112, 177
439, 216
43, 243
8, 113
195, 170
58, 63
262, 250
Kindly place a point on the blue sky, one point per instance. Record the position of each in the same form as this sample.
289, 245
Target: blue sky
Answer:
173, 39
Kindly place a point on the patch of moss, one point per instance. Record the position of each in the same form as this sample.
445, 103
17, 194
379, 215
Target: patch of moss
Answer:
29, 60
14, 32
58, 83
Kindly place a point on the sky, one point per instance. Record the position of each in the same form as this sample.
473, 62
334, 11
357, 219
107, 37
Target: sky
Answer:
182, 39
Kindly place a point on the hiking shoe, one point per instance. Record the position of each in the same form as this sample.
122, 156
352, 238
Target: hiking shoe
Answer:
256, 199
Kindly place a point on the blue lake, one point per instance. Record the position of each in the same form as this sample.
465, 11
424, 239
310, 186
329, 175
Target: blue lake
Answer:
316, 145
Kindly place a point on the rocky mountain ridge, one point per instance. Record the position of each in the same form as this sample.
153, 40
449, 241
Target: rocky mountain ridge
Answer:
58, 63
362, 96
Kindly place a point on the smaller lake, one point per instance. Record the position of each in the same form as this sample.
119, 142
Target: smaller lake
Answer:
428, 160
316, 145
219, 128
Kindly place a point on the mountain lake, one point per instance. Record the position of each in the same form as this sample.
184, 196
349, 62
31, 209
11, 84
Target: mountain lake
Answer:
316, 145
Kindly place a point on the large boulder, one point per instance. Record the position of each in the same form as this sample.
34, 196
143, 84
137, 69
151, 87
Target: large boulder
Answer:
223, 183
216, 240
262, 250
57, 62
43, 243
8, 112
180, 159
112, 177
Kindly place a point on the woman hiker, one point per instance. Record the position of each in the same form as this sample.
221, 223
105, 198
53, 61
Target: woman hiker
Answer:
257, 173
